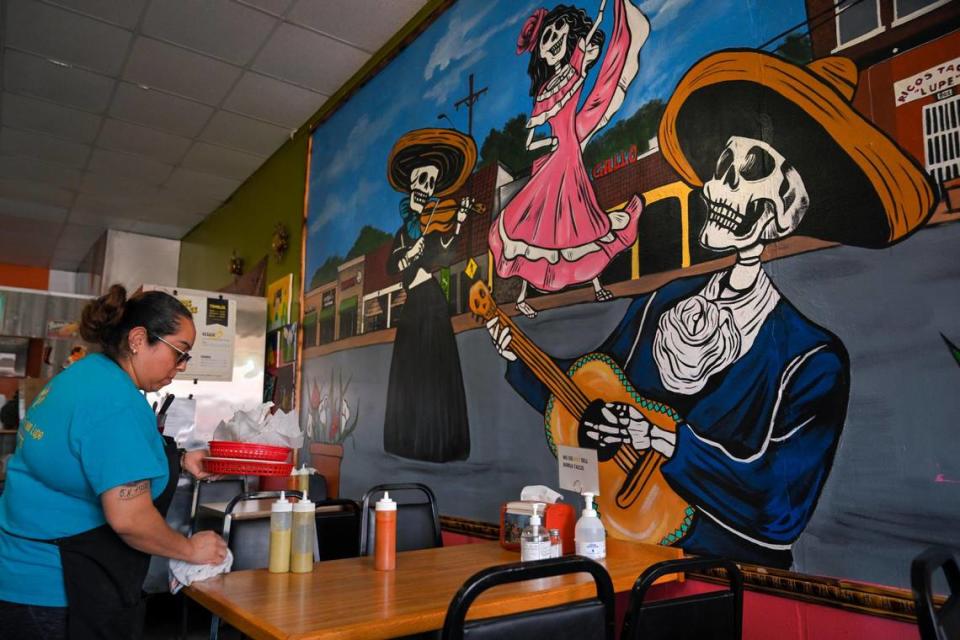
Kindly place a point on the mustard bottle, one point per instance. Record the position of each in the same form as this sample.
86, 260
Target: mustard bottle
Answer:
304, 536
281, 520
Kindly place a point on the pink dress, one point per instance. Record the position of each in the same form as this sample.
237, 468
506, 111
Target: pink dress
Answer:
553, 233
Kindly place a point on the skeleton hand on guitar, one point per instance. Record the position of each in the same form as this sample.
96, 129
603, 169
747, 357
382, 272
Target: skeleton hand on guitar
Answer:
605, 426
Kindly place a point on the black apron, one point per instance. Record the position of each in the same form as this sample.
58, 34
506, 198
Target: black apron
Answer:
103, 575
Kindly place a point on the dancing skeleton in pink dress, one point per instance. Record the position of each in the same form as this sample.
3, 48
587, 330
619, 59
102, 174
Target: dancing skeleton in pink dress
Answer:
553, 233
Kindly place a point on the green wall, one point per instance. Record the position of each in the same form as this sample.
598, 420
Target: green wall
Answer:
245, 223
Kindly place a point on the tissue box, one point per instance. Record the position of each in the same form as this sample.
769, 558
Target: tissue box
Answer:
514, 516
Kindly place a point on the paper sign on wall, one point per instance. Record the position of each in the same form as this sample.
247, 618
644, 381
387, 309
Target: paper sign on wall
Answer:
216, 323
579, 470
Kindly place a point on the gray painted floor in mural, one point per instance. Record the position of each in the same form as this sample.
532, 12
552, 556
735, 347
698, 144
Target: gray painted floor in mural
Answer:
895, 484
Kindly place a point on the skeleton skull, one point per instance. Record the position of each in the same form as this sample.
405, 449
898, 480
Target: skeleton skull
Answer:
423, 180
553, 42
754, 194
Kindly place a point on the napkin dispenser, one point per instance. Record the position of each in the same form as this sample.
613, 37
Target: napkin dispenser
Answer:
514, 516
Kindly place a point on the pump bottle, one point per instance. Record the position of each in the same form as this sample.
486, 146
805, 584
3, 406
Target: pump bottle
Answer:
535, 540
590, 536
281, 519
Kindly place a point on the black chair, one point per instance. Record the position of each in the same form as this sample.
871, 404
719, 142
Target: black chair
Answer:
591, 618
247, 539
418, 520
945, 623
717, 615
338, 528
206, 491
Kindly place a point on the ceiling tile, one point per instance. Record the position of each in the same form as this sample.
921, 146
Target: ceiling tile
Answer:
66, 36
220, 28
203, 184
132, 138
220, 161
15, 142
278, 102
125, 13
245, 134
129, 165
309, 59
159, 110
75, 236
30, 212
367, 24
165, 66
113, 189
191, 203
91, 216
31, 169
20, 189
275, 7
22, 112
25, 73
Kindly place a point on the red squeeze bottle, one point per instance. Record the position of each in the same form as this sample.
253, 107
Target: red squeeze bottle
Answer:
385, 542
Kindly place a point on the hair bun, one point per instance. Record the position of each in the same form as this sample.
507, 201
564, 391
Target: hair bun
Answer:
102, 316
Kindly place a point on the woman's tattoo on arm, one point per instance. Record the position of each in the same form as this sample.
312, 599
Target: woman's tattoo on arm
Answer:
132, 490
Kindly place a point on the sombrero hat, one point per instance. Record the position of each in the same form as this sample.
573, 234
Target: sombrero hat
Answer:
864, 190
453, 153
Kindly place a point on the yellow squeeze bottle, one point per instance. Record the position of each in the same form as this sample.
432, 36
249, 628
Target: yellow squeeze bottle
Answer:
281, 521
304, 536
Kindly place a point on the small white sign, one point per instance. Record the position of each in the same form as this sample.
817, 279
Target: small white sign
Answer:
579, 470
927, 83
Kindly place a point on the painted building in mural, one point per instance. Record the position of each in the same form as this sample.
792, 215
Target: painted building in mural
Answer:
707, 303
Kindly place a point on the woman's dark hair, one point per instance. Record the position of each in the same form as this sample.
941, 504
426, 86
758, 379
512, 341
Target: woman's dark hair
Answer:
108, 319
580, 24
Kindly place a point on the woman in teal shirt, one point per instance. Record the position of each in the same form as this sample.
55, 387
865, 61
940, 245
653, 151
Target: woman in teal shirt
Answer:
89, 484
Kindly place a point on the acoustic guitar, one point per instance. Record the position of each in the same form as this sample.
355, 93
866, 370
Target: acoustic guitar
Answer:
635, 500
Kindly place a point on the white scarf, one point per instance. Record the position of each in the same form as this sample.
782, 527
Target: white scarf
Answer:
704, 334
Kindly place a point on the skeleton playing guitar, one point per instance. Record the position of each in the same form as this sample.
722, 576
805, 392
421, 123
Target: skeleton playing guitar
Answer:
635, 499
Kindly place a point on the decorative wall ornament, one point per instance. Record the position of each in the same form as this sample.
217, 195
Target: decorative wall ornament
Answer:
280, 241
236, 264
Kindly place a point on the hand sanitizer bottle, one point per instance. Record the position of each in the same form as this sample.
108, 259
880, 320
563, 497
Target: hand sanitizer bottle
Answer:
590, 536
534, 541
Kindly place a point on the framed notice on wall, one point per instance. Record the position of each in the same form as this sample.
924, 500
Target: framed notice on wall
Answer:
216, 322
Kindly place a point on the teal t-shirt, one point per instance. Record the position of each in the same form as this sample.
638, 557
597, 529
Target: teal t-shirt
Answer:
88, 431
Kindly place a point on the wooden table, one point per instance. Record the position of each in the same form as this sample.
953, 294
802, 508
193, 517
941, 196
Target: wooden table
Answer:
350, 599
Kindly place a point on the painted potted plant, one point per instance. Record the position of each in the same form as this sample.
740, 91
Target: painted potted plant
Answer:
329, 423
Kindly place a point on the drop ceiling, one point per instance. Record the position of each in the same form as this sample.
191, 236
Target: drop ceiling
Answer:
145, 115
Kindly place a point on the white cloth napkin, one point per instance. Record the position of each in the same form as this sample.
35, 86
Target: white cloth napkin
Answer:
183, 573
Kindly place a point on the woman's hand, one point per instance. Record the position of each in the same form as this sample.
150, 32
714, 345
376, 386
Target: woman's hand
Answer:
206, 547
192, 463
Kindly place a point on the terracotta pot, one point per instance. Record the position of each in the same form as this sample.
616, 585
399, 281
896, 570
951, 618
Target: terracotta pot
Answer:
326, 458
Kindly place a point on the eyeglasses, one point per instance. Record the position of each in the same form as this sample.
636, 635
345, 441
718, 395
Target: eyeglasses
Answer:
182, 356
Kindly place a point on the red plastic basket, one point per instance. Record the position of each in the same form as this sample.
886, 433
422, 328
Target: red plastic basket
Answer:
248, 451
241, 467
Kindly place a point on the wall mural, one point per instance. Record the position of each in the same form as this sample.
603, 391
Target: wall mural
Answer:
682, 235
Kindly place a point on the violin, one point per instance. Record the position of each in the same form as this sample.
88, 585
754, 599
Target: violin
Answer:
441, 215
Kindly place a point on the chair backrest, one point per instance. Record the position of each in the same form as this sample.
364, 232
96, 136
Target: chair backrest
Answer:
418, 519
249, 538
945, 623
205, 491
591, 618
338, 531
717, 615
318, 487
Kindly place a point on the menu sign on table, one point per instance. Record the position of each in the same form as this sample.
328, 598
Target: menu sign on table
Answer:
579, 470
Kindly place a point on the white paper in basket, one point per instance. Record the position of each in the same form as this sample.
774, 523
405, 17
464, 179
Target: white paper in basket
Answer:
260, 426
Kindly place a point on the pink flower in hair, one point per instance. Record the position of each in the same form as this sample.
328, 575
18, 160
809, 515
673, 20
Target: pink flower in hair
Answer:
530, 31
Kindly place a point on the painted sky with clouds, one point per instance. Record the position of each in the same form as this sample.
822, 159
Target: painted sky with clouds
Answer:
348, 186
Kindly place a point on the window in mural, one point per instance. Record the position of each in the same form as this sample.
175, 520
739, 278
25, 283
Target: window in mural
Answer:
909, 9
857, 20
